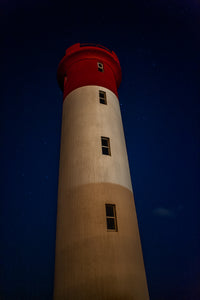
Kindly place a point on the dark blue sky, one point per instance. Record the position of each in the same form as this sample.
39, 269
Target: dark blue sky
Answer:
158, 45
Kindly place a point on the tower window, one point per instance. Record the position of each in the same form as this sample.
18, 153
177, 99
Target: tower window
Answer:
102, 97
111, 218
100, 67
105, 144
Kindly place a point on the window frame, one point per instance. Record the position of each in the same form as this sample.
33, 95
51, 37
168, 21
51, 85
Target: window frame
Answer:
107, 146
102, 99
100, 66
114, 217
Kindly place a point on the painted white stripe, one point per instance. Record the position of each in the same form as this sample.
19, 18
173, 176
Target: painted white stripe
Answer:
84, 121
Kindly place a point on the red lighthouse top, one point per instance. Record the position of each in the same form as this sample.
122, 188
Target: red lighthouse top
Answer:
88, 64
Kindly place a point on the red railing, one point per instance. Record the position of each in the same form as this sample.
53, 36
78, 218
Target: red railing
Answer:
94, 45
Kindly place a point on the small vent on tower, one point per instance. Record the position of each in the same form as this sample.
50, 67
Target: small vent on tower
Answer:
102, 97
111, 218
100, 67
105, 144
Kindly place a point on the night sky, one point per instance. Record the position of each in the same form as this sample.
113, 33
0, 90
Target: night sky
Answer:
158, 45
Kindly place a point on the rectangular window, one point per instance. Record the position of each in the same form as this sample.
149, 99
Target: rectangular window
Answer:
111, 218
105, 144
102, 97
100, 67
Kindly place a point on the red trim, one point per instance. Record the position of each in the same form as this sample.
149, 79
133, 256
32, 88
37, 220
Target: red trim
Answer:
79, 68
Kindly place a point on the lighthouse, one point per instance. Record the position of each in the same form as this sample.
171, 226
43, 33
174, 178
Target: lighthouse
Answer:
98, 250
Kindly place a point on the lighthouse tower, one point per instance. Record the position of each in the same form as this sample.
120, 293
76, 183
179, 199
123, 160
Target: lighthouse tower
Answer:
98, 249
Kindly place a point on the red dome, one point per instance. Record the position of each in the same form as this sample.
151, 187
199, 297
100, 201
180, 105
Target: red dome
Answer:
79, 67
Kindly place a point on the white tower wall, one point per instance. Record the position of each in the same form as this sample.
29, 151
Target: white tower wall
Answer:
84, 121
92, 263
